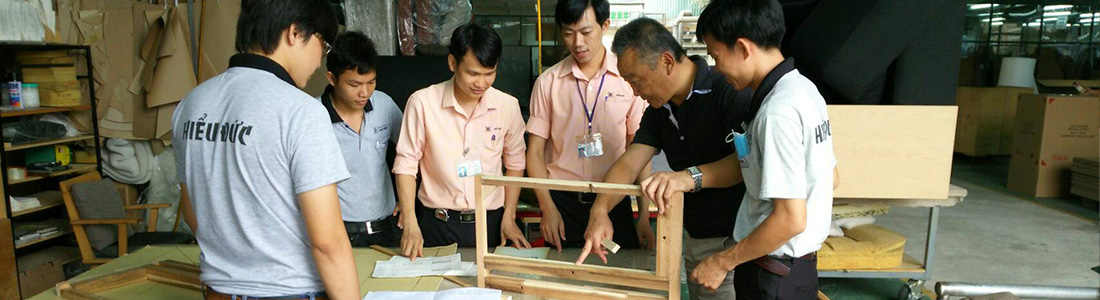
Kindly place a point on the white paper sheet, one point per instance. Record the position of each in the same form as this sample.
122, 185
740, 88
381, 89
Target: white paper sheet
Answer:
454, 294
536, 253
400, 266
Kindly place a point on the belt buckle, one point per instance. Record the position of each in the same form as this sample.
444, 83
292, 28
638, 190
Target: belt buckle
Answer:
370, 229
467, 216
442, 215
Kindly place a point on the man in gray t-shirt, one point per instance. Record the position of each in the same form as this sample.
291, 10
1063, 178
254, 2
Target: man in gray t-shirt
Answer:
259, 164
366, 123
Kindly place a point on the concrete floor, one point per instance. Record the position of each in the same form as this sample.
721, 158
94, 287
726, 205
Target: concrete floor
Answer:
999, 236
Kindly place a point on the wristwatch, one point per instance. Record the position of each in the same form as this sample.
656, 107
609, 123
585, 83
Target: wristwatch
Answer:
697, 176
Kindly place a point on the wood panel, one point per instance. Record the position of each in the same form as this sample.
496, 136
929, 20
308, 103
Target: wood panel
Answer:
9, 279
595, 273
893, 151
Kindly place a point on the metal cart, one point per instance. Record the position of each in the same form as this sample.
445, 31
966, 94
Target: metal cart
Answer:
917, 272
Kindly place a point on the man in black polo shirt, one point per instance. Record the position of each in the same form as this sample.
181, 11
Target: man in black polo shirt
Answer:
692, 110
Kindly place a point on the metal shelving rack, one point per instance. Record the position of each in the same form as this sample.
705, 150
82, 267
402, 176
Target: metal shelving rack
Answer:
47, 192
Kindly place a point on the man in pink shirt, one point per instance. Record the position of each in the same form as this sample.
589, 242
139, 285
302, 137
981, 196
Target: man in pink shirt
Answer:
583, 114
451, 132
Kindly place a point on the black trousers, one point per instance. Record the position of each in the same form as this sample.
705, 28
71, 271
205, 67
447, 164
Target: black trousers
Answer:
751, 282
389, 236
436, 232
575, 209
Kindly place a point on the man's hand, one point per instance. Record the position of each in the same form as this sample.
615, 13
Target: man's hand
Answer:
711, 272
660, 187
400, 217
645, 234
599, 228
553, 229
412, 243
510, 232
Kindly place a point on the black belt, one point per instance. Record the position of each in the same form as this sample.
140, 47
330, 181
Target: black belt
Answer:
445, 215
370, 227
582, 198
776, 264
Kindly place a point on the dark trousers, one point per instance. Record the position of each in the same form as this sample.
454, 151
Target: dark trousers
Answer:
751, 282
436, 232
386, 235
575, 209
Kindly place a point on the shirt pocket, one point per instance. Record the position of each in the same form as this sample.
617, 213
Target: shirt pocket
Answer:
493, 139
378, 135
615, 108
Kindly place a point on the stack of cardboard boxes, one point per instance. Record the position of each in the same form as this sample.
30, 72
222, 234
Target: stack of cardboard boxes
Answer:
1086, 178
55, 74
985, 121
1050, 132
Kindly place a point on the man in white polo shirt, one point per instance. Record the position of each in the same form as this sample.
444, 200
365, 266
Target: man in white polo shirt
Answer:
786, 157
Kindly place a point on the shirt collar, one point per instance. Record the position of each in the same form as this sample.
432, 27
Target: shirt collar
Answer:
449, 97
703, 76
259, 62
326, 100
610, 65
767, 84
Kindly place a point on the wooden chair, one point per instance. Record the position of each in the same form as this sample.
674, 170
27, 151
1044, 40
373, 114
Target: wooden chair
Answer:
86, 252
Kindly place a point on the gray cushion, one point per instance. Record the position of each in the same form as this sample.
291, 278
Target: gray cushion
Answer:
99, 200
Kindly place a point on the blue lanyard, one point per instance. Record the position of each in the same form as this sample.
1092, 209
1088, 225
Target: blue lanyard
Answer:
592, 114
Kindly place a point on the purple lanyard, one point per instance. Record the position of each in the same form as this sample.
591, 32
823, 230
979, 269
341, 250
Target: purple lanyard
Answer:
594, 103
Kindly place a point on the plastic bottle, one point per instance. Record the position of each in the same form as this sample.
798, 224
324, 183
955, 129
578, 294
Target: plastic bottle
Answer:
15, 92
30, 97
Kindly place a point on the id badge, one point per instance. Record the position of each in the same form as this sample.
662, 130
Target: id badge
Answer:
468, 167
589, 145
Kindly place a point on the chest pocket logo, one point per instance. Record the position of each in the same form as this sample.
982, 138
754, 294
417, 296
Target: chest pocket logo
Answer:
494, 137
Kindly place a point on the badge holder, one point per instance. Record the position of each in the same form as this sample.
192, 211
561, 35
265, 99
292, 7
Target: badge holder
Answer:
469, 165
589, 145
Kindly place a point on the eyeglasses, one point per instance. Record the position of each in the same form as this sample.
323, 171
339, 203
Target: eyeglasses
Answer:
327, 46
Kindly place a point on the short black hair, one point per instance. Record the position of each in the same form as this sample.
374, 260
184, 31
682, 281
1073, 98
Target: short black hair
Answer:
649, 39
482, 40
571, 11
760, 21
352, 51
263, 21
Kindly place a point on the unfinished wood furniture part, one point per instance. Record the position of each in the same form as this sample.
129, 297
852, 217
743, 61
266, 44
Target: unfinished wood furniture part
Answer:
87, 254
459, 281
165, 271
893, 151
665, 278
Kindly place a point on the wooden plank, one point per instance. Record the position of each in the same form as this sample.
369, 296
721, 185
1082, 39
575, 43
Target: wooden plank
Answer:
670, 235
550, 289
480, 229
76, 168
893, 151
564, 185
592, 273
42, 110
175, 277
9, 278
110, 281
78, 295
48, 199
9, 147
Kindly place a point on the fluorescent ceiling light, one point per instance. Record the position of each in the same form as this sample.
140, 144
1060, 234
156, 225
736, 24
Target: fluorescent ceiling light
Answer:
1056, 14
1032, 24
1093, 15
1056, 7
997, 23
1049, 19
987, 14
997, 19
983, 6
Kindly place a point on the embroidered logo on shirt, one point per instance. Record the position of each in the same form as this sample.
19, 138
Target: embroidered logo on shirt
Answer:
381, 128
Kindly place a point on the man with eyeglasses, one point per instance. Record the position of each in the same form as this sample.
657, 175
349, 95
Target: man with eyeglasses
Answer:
259, 163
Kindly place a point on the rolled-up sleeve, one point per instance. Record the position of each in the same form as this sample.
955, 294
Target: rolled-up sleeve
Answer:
410, 145
515, 151
541, 111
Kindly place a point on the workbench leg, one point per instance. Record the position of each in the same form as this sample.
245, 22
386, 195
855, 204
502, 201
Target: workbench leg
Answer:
930, 245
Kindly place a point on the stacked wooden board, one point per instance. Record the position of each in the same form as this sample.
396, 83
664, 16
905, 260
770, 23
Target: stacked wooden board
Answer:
863, 247
1086, 178
55, 74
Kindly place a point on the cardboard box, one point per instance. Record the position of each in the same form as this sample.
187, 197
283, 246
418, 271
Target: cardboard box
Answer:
40, 278
985, 119
893, 151
1050, 131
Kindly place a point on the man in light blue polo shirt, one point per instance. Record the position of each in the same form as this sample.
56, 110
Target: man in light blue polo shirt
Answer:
365, 122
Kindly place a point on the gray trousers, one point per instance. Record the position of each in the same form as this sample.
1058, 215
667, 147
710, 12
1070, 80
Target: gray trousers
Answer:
695, 251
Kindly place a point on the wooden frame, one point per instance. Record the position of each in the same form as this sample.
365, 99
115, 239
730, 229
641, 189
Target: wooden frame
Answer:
86, 253
666, 278
165, 271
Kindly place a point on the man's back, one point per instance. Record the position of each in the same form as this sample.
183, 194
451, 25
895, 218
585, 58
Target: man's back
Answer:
247, 142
